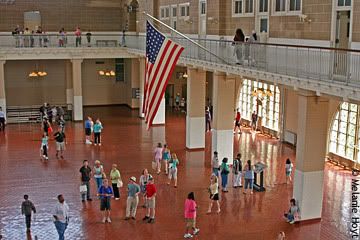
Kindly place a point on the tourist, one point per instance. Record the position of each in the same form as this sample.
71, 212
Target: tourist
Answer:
123, 41
249, 177
78, 37
166, 157
144, 179
99, 174
215, 164
174, 162
254, 118
27, 207
26, 34
281, 236
39, 34
46, 126
132, 199
183, 105
207, 119
239, 40
237, 171
61, 216
288, 170
60, 140
62, 37
16, 34
157, 158
224, 171
105, 193
44, 147
2, 120
177, 102
49, 113
85, 178
88, 38
293, 214
61, 123
214, 193
97, 132
88, 127
190, 216
116, 181
150, 201
237, 121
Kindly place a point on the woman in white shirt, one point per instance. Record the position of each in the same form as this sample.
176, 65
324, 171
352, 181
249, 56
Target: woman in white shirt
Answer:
288, 170
214, 193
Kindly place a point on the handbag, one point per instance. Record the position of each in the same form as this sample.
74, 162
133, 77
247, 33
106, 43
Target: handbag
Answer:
120, 184
83, 188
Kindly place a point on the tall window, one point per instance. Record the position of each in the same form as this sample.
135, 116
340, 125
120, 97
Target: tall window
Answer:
184, 9
263, 6
344, 129
343, 3
268, 105
203, 8
238, 7
174, 11
249, 6
164, 12
280, 5
295, 5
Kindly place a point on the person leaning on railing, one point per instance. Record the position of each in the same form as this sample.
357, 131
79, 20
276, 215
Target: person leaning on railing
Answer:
239, 39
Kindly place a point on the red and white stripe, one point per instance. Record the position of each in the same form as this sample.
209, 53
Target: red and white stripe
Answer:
157, 76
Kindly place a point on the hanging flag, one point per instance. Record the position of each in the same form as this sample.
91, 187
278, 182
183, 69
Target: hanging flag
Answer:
162, 55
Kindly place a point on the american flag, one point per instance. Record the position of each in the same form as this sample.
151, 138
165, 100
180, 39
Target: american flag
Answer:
162, 55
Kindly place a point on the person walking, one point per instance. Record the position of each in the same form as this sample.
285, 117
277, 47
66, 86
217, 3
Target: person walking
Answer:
215, 164
166, 156
99, 174
27, 207
207, 119
78, 37
249, 177
60, 140
46, 126
150, 201
237, 171
132, 199
157, 158
177, 102
144, 179
44, 147
288, 170
85, 178
105, 192
61, 216
116, 181
237, 121
97, 132
238, 43
88, 127
174, 162
2, 120
190, 216
254, 119
224, 171
214, 193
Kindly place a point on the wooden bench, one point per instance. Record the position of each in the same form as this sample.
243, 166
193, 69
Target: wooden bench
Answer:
106, 43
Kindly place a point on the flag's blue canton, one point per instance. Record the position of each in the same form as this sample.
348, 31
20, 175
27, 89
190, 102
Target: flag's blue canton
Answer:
154, 40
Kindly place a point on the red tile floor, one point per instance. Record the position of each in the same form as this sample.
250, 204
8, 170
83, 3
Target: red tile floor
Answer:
127, 143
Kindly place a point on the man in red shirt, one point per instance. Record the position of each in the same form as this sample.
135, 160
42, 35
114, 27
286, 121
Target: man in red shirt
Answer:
237, 121
150, 201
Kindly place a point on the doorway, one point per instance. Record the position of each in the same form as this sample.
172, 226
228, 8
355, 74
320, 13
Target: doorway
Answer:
342, 40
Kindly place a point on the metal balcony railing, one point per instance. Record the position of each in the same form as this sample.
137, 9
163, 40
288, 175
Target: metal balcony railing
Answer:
316, 63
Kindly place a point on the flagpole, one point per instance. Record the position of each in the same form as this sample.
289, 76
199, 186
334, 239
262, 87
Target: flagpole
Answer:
184, 36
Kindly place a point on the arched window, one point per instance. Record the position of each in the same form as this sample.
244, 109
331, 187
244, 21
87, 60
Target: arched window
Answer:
263, 97
344, 140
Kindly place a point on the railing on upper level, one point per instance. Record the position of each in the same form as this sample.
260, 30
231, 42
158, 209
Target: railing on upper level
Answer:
317, 63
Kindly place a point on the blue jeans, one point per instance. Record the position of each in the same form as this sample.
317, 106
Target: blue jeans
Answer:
86, 195
215, 171
290, 217
224, 180
249, 183
98, 182
60, 228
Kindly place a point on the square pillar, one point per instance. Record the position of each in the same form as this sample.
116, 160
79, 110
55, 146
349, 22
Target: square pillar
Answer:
195, 116
142, 85
2, 86
77, 90
310, 155
223, 119
69, 84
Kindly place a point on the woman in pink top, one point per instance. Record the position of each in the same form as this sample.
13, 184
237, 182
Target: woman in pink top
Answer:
157, 158
190, 216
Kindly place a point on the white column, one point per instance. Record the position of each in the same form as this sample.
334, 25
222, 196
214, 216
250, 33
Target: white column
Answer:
69, 84
223, 119
142, 82
159, 118
77, 86
2, 86
310, 155
195, 116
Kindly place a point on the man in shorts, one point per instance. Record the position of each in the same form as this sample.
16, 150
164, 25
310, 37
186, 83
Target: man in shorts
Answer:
60, 139
150, 201
88, 127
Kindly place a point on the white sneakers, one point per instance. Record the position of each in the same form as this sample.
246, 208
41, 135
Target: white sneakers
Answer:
196, 231
189, 235
109, 220
106, 219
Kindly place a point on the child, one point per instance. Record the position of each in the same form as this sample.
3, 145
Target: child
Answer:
27, 207
288, 170
44, 147
97, 132
157, 158
173, 169
294, 212
190, 216
166, 157
214, 194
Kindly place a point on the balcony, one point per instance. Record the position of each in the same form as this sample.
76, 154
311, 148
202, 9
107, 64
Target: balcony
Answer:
322, 70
